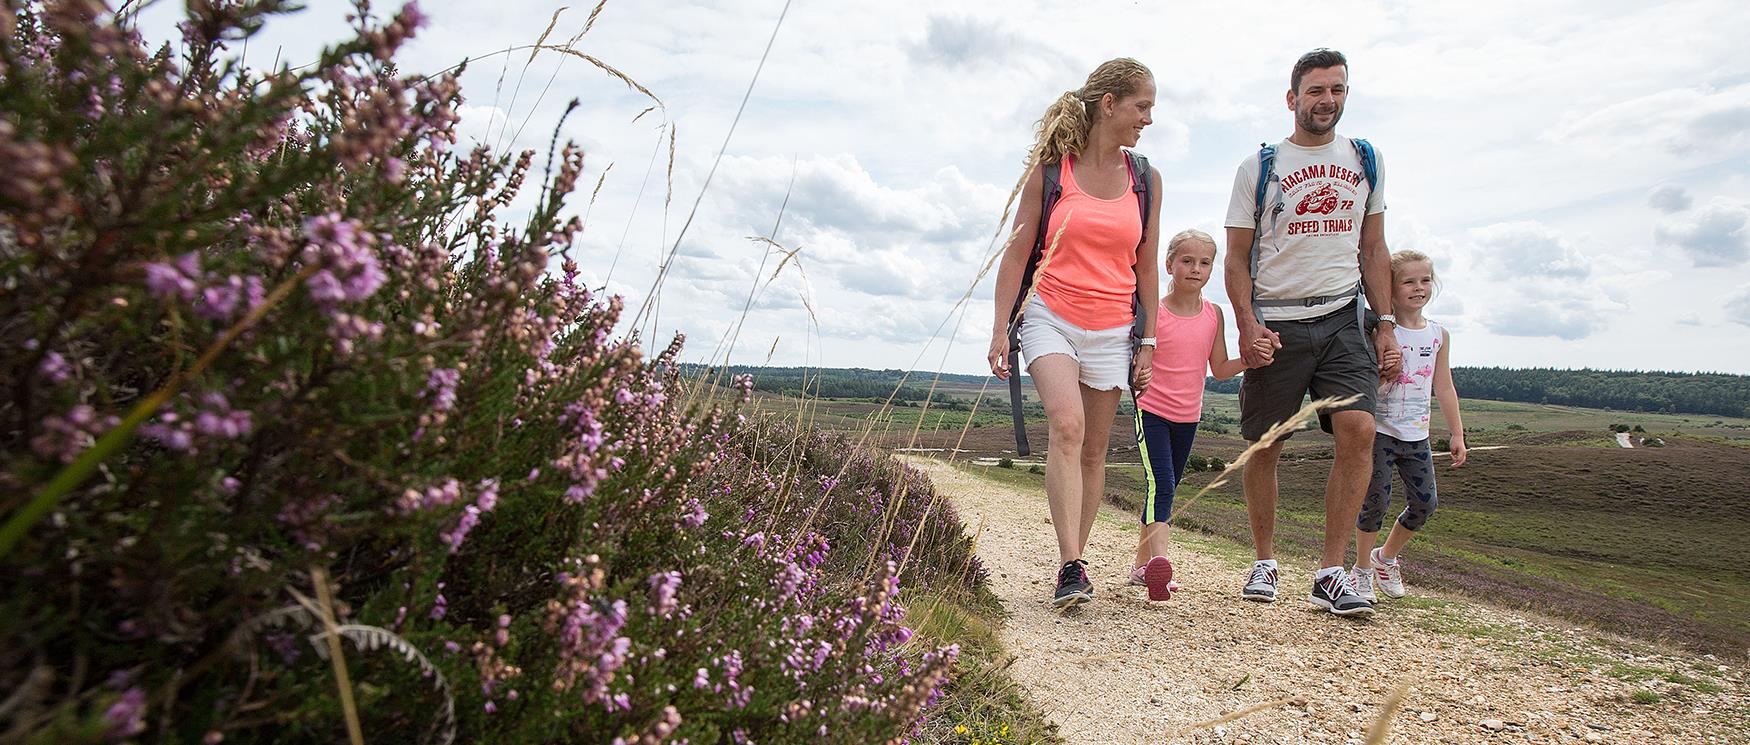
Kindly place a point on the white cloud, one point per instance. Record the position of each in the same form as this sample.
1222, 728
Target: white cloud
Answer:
1553, 312
1737, 307
1528, 249
1717, 234
1669, 198
1682, 121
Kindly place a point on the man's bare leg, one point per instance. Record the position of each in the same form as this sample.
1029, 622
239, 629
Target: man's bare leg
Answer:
1259, 480
1347, 487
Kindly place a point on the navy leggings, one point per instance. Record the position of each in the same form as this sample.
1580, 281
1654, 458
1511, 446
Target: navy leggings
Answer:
1416, 465
1165, 447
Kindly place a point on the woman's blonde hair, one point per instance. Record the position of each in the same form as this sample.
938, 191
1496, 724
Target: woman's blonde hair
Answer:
1063, 130
1189, 234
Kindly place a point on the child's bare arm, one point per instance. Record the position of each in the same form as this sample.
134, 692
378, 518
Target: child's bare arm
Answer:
1219, 365
1447, 394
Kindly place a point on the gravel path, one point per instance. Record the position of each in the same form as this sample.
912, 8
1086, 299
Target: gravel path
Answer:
1122, 669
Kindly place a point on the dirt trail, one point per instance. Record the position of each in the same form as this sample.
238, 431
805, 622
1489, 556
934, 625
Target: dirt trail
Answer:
1122, 669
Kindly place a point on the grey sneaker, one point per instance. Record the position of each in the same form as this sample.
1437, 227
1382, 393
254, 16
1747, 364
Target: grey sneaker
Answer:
1336, 593
1260, 584
1364, 583
1072, 584
1390, 576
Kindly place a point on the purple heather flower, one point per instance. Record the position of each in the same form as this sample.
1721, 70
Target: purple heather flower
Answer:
663, 588
55, 368
126, 717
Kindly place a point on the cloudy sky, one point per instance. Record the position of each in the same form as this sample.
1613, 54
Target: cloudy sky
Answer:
1580, 171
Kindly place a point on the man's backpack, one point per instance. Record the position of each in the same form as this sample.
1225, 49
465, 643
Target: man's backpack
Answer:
1266, 176
1053, 191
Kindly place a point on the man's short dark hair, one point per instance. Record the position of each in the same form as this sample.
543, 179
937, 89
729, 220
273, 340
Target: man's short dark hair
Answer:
1317, 59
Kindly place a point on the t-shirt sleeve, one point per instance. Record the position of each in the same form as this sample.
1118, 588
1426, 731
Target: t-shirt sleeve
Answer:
1376, 197
1243, 203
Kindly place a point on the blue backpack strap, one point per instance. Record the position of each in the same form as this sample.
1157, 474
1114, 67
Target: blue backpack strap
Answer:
1370, 169
1266, 175
1369, 161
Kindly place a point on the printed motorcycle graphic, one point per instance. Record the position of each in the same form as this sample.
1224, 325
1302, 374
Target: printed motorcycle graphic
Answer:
1321, 201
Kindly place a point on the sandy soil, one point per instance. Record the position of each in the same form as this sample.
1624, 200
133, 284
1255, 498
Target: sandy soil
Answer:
1123, 669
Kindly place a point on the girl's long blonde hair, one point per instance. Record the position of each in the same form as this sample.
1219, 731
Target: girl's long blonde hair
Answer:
1063, 130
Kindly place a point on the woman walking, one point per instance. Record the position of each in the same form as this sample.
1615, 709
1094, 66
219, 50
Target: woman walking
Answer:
1075, 332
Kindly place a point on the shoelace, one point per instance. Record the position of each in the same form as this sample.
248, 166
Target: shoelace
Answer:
1262, 574
1072, 572
1338, 584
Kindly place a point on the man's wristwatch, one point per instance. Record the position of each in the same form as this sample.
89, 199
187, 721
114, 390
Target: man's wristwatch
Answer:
1387, 318
1147, 341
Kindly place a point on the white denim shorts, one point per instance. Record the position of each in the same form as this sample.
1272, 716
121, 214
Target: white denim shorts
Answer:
1104, 355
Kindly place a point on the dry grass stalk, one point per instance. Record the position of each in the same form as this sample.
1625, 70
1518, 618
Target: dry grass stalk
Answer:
1231, 716
1044, 262
669, 198
1382, 724
607, 68
1271, 436
598, 184
592, 16
554, 21
325, 600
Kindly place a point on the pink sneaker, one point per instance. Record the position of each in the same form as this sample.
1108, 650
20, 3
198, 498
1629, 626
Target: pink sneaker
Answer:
1158, 576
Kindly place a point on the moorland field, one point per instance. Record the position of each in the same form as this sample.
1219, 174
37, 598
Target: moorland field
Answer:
1550, 514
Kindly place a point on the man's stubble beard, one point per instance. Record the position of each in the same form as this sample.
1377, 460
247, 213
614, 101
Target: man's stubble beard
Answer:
1308, 124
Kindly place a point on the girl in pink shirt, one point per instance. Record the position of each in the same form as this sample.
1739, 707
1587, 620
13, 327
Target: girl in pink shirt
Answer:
1191, 342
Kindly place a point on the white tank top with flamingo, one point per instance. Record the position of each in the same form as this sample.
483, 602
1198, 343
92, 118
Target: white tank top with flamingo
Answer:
1404, 405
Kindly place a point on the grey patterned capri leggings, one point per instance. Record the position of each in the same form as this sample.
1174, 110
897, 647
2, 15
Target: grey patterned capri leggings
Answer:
1416, 465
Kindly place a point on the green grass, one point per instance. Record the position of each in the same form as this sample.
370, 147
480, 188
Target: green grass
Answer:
981, 702
1646, 697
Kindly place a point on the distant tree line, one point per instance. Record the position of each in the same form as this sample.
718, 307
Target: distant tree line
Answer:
1627, 390
852, 382
1715, 394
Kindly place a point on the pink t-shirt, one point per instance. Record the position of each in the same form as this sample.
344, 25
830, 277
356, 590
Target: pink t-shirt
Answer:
1181, 361
1092, 274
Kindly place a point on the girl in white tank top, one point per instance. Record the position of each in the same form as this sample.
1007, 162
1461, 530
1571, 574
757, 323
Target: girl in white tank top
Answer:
1401, 419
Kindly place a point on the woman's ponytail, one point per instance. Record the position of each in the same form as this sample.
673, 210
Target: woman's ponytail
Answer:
1063, 129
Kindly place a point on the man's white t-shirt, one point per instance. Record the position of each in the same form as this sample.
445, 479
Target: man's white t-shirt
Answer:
1311, 232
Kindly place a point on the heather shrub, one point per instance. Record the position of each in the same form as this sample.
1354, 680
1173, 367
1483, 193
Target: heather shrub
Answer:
280, 382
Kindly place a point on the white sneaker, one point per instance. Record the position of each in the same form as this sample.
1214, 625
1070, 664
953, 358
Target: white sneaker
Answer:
1260, 584
1364, 584
1389, 576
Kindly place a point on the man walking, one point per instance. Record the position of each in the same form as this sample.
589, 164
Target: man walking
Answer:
1315, 205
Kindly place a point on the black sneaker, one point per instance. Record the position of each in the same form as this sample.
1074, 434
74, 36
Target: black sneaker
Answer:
1072, 584
1336, 593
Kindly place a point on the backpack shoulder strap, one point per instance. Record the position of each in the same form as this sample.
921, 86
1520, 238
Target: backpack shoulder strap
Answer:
1266, 175
1369, 161
1141, 184
1050, 193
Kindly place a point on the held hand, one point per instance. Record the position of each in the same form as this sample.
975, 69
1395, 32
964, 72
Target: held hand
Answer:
1391, 360
1264, 350
1250, 335
999, 355
1459, 451
1142, 369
